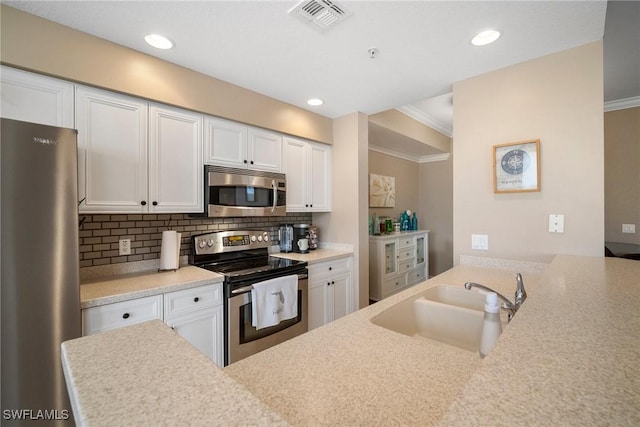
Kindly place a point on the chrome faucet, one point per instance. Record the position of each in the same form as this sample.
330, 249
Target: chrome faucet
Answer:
510, 307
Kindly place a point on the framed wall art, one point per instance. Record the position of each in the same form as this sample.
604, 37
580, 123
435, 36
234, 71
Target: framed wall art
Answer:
516, 167
382, 191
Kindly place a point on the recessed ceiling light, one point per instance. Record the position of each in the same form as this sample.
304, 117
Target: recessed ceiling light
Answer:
158, 41
485, 37
315, 102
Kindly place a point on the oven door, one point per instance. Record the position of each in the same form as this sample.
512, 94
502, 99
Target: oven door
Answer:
243, 340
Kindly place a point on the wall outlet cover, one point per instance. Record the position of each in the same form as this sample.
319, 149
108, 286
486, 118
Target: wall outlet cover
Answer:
124, 247
556, 223
628, 228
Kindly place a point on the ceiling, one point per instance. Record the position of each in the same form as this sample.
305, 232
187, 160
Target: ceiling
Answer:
423, 47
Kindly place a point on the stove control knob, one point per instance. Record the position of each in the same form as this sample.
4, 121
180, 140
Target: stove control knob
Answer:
265, 237
202, 244
210, 243
259, 238
253, 238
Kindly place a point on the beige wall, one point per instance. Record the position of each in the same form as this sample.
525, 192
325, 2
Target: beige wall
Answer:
436, 212
42, 46
406, 177
622, 174
558, 99
400, 123
347, 222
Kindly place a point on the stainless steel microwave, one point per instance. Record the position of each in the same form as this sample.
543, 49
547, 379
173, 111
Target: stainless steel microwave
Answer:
235, 192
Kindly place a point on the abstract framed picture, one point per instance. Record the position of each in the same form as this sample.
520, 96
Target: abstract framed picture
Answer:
516, 167
382, 191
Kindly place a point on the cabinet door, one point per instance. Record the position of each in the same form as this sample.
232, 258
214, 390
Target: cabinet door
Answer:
294, 165
389, 261
37, 99
203, 330
175, 160
264, 150
421, 246
320, 177
112, 151
340, 289
318, 306
225, 143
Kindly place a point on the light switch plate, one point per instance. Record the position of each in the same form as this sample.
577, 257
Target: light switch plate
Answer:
556, 223
480, 241
628, 228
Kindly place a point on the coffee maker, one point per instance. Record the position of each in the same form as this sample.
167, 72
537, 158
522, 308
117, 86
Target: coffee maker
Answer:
285, 235
300, 231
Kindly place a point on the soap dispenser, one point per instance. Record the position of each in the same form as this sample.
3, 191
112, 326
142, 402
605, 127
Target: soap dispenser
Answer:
491, 327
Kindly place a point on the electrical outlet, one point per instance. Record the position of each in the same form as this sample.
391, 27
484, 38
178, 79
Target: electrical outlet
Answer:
124, 247
628, 228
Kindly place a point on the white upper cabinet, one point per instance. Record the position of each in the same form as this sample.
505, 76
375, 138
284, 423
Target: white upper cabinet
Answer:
265, 150
34, 98
308, 169
239, 146
136, 158
175, 160
112, 151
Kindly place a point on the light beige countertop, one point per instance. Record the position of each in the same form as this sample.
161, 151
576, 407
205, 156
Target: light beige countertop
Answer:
570, 356
147, 375
314, 256
107, 290
352, 372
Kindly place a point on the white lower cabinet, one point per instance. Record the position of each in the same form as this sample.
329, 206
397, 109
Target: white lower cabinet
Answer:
196, 314
330, 284
117, 315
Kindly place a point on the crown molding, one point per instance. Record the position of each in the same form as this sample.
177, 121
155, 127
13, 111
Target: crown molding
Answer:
621, 104
409, 157
425, 119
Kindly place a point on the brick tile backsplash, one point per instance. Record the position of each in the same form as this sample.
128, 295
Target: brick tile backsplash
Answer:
99, 234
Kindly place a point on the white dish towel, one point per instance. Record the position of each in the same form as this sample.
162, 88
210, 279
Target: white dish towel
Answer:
274, 300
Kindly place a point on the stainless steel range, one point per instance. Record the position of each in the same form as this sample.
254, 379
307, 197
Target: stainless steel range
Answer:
243, 258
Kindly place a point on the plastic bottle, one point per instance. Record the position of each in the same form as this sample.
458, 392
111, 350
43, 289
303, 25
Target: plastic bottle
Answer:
491, 327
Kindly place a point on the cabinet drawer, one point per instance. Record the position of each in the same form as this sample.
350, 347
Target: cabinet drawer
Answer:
406, 265
406, 241
189, 300
416, 276
406, 253
117, 315
337, 266
393, 285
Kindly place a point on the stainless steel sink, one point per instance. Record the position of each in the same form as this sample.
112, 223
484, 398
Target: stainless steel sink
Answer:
447, 314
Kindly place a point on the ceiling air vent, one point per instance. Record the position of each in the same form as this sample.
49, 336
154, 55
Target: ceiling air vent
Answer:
322, 14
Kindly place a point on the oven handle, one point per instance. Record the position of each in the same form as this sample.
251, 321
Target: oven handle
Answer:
246, 289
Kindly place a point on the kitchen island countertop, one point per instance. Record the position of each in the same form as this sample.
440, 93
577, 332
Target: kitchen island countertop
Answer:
569, 357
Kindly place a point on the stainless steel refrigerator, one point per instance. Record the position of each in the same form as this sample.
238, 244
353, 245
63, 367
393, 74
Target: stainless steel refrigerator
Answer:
39, 269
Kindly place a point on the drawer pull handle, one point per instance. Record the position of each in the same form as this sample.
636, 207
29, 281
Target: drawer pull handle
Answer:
125, 316
330, 268
196, 299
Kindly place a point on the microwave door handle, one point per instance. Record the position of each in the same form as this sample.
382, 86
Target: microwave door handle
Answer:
275, 195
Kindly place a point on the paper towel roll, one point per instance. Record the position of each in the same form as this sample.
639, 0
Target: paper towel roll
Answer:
170, 250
